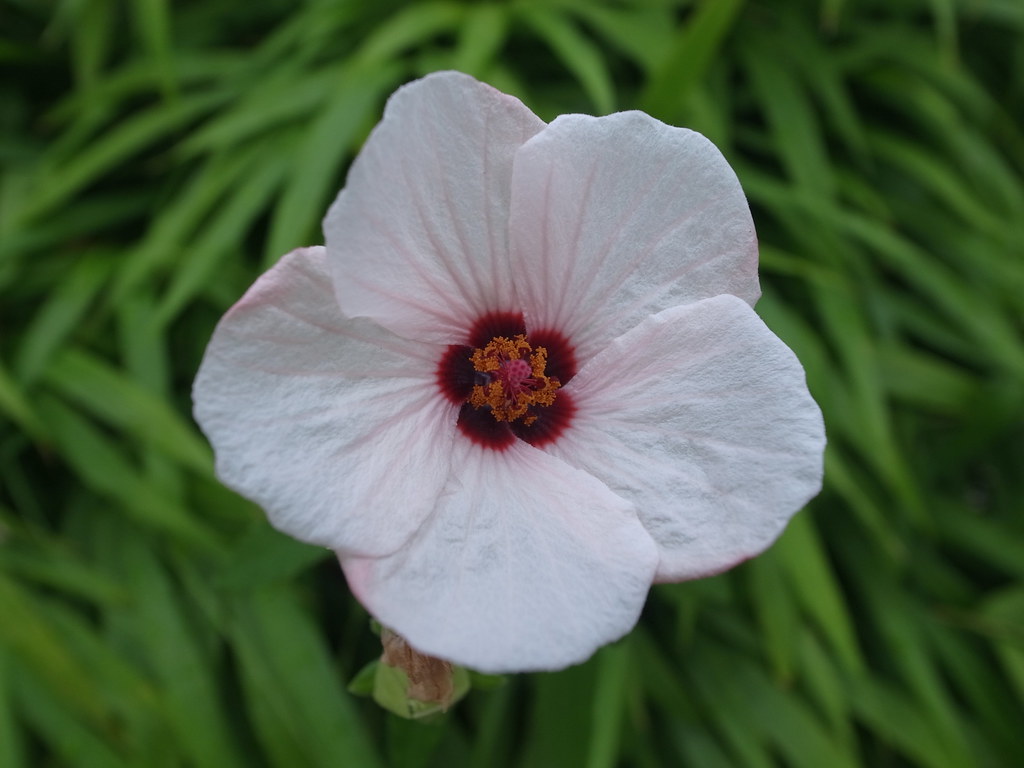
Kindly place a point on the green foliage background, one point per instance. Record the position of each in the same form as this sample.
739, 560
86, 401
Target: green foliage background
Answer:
157, 156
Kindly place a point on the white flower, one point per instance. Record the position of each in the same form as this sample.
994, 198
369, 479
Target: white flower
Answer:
522, 381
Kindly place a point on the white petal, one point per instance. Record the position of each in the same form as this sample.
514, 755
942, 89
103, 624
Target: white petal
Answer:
418, 236
334, 426
616, 218
701, 417
525, 564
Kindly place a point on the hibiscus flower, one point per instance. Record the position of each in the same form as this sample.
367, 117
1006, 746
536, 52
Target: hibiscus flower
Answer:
522, 382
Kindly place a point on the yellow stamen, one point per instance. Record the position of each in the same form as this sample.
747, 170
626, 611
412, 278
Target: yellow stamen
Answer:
517, 381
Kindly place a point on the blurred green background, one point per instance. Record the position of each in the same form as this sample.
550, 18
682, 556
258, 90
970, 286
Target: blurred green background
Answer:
156, 156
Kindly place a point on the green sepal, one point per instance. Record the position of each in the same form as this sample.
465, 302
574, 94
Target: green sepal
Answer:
390, 686
362, 684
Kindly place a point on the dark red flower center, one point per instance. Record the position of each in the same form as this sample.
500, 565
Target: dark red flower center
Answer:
508, 382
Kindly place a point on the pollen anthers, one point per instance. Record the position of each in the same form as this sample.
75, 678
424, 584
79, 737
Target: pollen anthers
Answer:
515, 380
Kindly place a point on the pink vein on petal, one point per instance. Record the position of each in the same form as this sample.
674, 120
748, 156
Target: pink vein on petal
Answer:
584, 318
414, 262
480, 283
442, 253
472, 292
547, 241
569, 264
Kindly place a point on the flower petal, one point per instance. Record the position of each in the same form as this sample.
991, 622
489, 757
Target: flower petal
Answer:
418, 236
616, 218
334, 426
701, 417
526, 564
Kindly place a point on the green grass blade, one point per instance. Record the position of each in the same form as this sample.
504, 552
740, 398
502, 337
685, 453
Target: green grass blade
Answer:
411, 25
614, 675
37, 645
108, 394
813, 582
577, 53
313, 176
697, 42
302, 715
481, 36
153, 20
63, 313
221, 235
180, 656
103, 467
15, 406
58, 183
12, 748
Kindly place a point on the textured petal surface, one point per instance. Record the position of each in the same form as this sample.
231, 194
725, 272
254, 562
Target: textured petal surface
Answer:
616, 218
335, 427
418, 238
701, 417
526, 564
